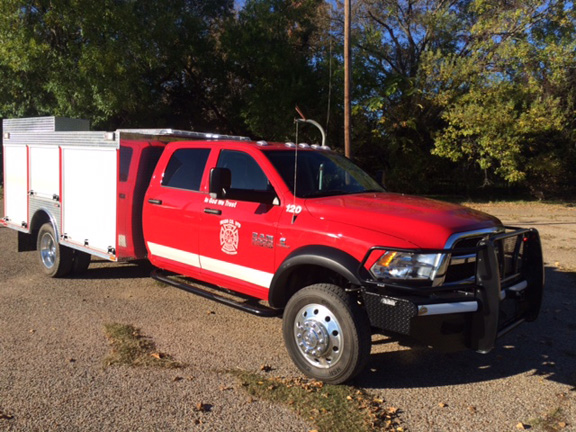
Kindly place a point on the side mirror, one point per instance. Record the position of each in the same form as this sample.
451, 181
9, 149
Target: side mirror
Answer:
220, 181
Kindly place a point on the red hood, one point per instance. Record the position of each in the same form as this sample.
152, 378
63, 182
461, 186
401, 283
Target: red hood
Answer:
424, 222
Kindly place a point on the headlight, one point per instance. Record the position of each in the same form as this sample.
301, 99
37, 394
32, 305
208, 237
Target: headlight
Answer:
406, 266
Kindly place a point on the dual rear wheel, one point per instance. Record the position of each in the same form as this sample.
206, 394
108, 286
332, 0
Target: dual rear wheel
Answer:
58, 260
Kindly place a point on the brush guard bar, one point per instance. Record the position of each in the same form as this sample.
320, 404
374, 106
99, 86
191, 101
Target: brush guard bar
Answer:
505, 291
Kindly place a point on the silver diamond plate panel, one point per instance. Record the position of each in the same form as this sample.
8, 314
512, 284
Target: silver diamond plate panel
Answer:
49, 206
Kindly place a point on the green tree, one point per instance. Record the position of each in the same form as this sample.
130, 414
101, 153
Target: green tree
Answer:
119, 63
485, 85
273, 65
395, 118
508, 98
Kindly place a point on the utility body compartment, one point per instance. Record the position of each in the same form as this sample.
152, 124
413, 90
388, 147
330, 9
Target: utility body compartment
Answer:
89, 185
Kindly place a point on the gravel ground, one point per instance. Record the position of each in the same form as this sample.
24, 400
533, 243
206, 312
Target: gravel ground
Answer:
52, 347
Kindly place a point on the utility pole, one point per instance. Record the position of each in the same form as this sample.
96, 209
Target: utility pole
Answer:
347, 74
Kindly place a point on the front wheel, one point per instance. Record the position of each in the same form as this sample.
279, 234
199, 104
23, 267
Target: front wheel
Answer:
326, 333
55, 259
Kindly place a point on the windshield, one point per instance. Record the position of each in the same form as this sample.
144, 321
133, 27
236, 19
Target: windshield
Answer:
321, 174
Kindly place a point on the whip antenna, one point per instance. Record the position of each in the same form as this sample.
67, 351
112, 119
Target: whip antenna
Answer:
295, 167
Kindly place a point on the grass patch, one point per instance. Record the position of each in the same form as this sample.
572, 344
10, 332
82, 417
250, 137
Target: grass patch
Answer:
554, 421
129, 347
329, 407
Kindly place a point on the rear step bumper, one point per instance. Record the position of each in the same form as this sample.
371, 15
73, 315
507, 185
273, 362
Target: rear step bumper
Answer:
245, 304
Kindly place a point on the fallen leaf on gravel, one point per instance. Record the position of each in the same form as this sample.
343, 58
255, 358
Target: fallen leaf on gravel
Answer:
210, 313
224, 388
178, 378
202, 407
4, 416
472, 409
562, 425
265, 368
521, 426
31, 331
442, 405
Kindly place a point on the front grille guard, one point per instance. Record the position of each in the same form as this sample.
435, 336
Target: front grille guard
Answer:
508, 261
502, 259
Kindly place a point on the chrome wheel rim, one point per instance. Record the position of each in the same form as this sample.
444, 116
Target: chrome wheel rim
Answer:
48, 250
318, 336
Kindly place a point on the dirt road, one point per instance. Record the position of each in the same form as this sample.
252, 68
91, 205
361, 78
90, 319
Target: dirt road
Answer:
52, 347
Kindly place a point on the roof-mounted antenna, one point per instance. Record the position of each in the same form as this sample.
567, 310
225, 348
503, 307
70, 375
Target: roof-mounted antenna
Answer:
303, 119
295, 166
297, 121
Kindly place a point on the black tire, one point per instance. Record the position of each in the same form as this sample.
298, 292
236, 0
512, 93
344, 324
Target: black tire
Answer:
55, 259
326, 333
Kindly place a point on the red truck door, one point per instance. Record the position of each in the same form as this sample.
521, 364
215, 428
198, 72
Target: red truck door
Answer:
173, 208
137, 162
238, 235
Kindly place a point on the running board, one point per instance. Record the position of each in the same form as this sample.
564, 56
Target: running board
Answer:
246, 306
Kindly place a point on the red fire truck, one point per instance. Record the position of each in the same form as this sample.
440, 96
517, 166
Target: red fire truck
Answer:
291, 229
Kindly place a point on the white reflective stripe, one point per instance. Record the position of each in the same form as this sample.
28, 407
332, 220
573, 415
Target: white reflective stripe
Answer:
246, 274
447, 308
174, 254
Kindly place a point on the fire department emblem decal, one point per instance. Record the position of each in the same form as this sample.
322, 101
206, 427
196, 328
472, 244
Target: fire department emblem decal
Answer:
229, 236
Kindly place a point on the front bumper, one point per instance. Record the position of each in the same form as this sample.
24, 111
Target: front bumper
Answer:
506, 290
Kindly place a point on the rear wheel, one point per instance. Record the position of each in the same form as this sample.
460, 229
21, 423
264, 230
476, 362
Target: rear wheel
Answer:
55, 259
327, 333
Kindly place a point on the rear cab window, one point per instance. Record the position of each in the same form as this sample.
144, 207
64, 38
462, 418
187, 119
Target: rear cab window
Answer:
186, 168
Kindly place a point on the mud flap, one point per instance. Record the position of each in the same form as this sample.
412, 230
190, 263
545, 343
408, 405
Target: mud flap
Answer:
26, 242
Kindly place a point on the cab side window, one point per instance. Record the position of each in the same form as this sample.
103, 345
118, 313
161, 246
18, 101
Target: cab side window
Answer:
249, 183
185, 169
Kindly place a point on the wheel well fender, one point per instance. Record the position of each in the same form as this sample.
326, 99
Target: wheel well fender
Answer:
27, 242
320, 263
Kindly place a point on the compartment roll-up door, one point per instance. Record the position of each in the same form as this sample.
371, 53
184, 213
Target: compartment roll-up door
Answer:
16, 185
89, 196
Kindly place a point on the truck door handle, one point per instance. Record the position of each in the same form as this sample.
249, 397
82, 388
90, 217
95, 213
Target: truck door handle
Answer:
212, 211
155, 201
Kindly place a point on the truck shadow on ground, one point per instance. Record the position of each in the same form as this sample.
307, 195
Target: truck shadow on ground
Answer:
546, 347
103, 269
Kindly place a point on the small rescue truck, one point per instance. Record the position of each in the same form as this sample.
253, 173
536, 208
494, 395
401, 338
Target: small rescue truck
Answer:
291, 229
